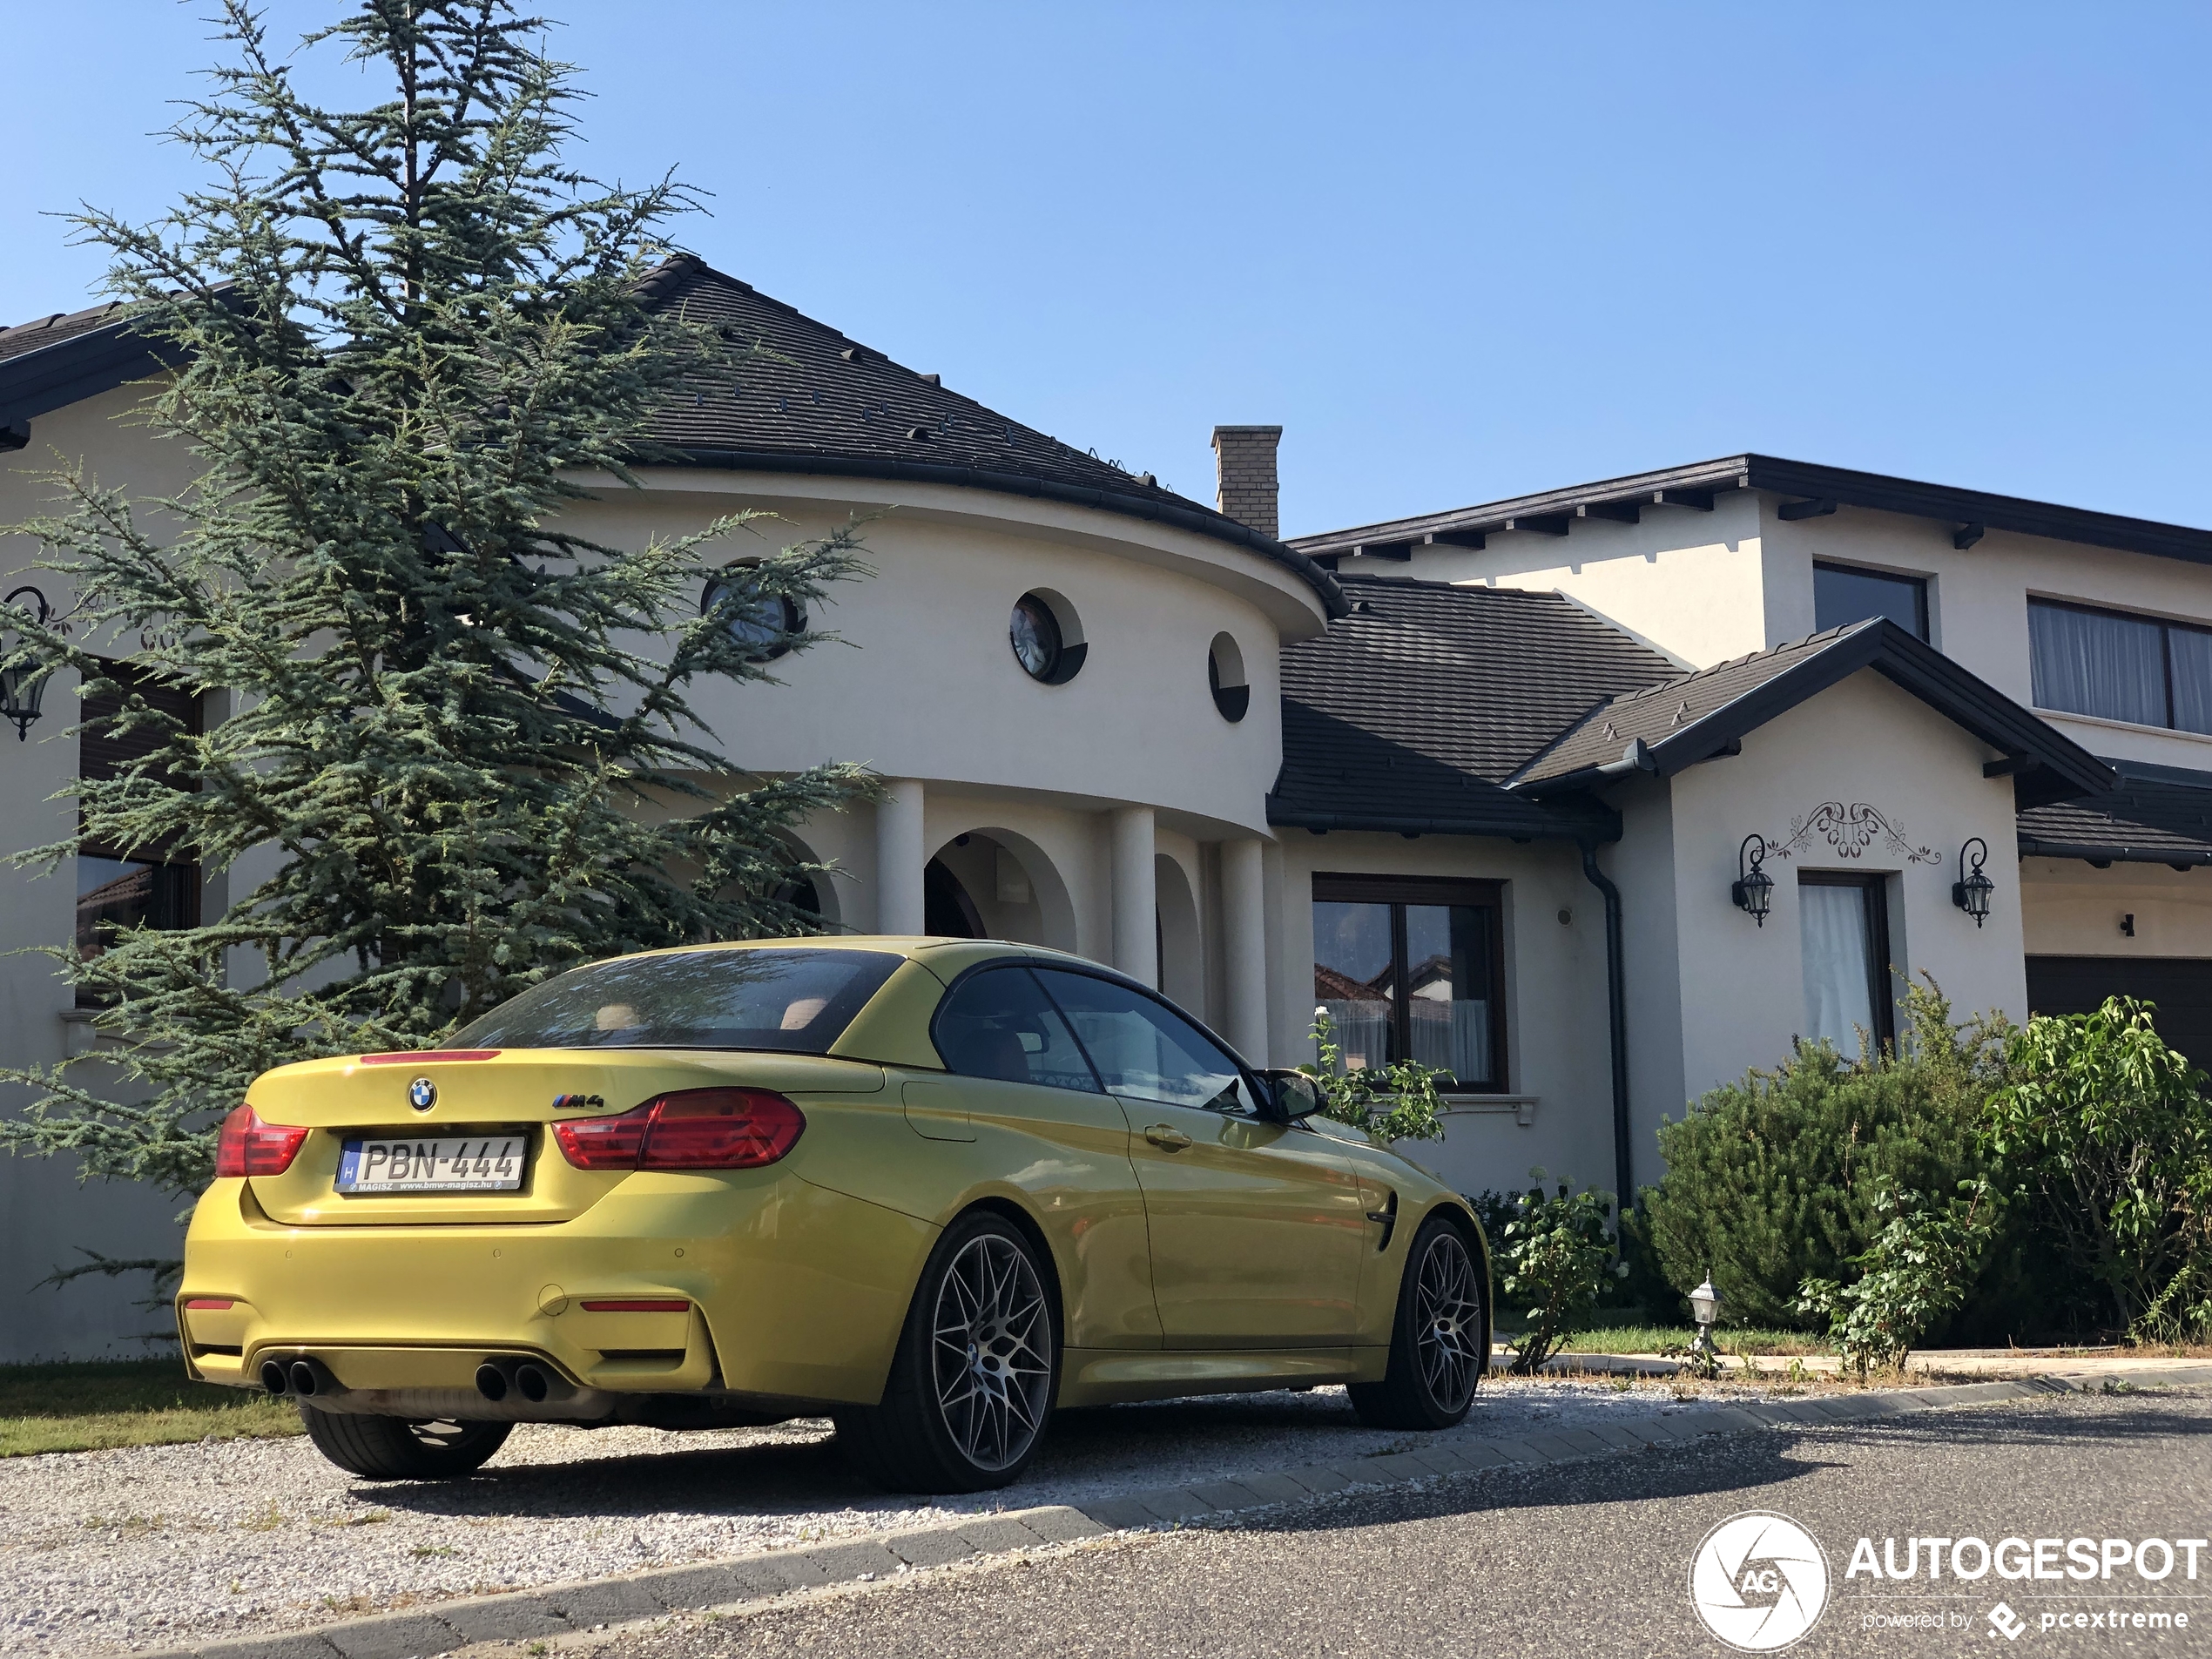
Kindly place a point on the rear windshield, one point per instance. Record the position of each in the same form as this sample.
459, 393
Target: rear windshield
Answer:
799, 1002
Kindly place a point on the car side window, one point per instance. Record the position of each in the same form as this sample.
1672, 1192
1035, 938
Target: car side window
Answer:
1146, 1049
998, 1023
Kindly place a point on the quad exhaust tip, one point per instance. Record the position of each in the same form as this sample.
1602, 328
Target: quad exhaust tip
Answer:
496, 1378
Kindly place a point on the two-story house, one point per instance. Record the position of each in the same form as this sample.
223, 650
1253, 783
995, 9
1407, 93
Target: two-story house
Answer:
1592, 799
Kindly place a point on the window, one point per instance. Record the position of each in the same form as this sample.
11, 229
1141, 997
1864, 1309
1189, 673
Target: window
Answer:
1410, 968
999, 1023
1226, 675
1048, 640
764, 624
1843, 594
1846, 945
120, 888
793, 1001
1144, 1049
2118, 667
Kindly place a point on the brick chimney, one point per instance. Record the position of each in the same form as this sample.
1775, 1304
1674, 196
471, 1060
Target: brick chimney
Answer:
1244, 457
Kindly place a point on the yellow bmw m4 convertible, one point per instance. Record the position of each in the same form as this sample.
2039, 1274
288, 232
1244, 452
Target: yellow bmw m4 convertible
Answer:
931, 1188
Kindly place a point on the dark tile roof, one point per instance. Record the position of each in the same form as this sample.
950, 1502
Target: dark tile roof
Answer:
43, 332
1694, 717
1410, 714
1672, 489
819, 401
2156, 815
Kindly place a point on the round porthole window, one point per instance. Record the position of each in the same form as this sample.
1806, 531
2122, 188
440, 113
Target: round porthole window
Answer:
1226, 674
764, 624
1047, 639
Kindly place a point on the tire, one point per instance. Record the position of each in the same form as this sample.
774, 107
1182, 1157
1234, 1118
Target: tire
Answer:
391, 1448
977, 1367
1436, 1342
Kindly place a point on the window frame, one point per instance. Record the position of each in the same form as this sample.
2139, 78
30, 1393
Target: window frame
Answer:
1397, 892
1919, 584
1880, 999
2166, 625
1262, 1095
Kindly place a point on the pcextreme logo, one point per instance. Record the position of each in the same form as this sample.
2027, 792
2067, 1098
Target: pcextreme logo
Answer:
1759, 1582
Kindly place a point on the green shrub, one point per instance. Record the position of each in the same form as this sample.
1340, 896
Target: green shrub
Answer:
1399, 1102
1917, 1272
1556, 1255
1773, 1180
2103, 1133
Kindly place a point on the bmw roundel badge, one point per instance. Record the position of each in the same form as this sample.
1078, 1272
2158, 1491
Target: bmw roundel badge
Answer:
422, 1094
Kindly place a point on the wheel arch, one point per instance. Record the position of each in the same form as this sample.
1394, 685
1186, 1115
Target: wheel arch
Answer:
1025, 1224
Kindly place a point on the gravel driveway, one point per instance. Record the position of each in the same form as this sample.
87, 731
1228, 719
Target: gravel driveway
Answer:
153, 1546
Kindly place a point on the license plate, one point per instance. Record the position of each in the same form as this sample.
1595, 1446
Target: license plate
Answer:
464, 1163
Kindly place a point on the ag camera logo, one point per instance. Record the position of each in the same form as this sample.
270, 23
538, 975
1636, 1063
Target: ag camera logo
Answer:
1759, 1582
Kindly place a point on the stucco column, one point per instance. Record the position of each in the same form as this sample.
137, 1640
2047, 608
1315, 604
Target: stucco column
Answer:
1136, 917
1243, 945
900, 855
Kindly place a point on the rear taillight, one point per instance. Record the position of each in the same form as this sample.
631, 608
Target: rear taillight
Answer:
248, 1146
697, 1129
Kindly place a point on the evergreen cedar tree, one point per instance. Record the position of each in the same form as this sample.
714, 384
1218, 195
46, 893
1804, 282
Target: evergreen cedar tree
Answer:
452, 749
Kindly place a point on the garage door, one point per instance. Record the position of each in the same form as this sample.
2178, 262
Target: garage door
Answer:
2181, 988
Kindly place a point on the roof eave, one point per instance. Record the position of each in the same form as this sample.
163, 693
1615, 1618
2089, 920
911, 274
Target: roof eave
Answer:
1325, 585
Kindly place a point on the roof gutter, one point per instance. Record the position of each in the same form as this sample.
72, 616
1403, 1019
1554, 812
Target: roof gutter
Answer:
1589, 827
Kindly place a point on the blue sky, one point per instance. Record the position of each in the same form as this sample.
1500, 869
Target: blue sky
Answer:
1458, 252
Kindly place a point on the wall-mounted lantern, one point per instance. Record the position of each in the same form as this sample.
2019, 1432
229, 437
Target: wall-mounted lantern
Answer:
22, 687
1753, 889
1972, 890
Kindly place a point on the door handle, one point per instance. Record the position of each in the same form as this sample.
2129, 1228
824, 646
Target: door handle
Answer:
1167, 1137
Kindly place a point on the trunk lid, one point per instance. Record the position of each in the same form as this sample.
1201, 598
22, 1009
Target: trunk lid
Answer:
500, 1096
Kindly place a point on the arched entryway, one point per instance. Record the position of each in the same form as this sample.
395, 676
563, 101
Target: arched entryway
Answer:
1183, 966
995, 884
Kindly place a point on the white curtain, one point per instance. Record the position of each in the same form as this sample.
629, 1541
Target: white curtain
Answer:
1454, 1035
1362, 1031
2192, 653
1838, 954
2092, 663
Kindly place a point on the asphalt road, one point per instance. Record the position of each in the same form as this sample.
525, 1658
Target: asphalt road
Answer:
1591, 1558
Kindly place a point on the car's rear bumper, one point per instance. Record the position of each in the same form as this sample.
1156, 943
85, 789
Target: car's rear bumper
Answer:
791, 1293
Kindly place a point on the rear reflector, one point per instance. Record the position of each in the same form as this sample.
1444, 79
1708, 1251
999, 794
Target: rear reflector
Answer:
413, 1055
248, 1146
695, 1129
636, 1307
211, 1304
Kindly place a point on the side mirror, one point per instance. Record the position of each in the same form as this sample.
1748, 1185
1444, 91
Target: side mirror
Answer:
1296, 1095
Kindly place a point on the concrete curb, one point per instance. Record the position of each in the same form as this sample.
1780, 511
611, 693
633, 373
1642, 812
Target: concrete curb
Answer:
441, 1627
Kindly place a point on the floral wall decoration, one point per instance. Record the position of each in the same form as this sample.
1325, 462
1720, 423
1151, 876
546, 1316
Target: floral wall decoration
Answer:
1850, 830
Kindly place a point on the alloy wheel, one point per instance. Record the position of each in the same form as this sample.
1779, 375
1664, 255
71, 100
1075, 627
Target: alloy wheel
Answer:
1447, 1312
992, 1351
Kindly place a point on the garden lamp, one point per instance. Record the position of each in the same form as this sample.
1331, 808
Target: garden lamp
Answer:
1752, 891
1704, 1307
22, 688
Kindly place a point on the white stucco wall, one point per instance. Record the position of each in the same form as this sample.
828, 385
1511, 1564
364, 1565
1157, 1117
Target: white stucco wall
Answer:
1863, 741
1558, 1069
2071, 909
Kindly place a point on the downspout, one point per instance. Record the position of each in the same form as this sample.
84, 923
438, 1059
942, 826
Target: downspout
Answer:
1616, 1007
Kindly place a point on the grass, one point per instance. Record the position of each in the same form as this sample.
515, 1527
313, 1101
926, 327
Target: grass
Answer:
1656, 1338
96, 1404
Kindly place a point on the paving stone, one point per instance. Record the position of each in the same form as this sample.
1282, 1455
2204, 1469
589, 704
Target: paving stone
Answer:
1363, 1471
719, 1583
1517, 1452
607, 1601
1317, 1478
1175, 1503
992, 1534
842, 1563
1479, 1454
1615, 1435
1060, 1524
931, 1547
1583, 1439
394, 1636
1227, 1494
1274, 1488
1400, 1466
505, 1618
1439, 1460
1553, 1449
297, 1644
1650, 1431
1732, 1417
1115, 1514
